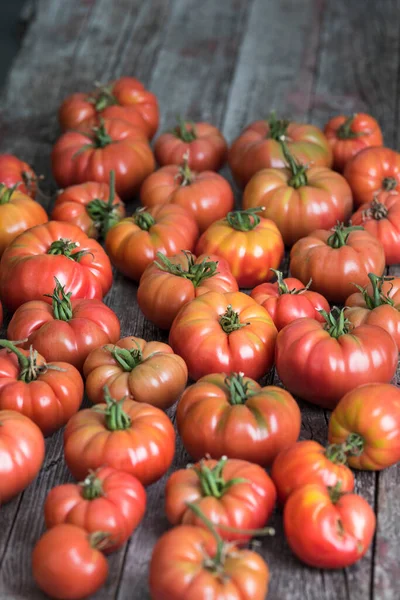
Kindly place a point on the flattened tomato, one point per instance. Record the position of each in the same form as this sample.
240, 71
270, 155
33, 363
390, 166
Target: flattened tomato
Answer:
15, 171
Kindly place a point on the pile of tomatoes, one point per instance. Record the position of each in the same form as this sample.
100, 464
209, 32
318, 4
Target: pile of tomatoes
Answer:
190, 252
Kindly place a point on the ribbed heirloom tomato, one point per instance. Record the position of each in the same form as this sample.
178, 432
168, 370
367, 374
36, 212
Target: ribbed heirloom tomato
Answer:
15, 171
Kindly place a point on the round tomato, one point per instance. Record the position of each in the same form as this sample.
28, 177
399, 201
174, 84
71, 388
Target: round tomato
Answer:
55, 249
322, 362
335, 260
92, 152
14, 171
67, 562
21, 453
347, 136
134, 437
249, 243
236, 417
229, 332
134, 242
327, 529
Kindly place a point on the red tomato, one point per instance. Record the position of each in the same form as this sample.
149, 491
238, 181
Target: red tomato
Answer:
230, 332
15, 171
236, 417
322, 362
92, 152
288, 299
249, 243
55, 249
133, 243
367, 422
335, 260
347, 136
326, 529
107, 500
21, 453
67, 562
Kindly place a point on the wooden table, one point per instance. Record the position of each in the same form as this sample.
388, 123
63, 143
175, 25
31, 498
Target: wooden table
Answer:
230, 62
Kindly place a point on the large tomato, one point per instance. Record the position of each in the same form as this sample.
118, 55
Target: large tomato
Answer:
134, 242
15, 171
321, 362
55, 249
222, 333
249, 243
347, 136
21, 453
335, 260
236, 417
92, 152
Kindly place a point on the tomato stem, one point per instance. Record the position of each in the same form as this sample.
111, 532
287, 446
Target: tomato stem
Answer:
377, 211
104, 214
143, 219
212, 481
100, 540
100, 137
378, 298
239, 390
7, 192
92, 487
336, 323
64, 247
283, 288
336, 453
29, 369
102, 98
127, 359
298, 171
195, 272
61, 302
185, 130
185, 173
115, 417
230, 320
389, 184
277, 127
345, 132
218, 559
354, 444
335, 492
244, 220
340, 235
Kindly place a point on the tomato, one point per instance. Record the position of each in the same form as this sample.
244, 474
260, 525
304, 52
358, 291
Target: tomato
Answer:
107, 500
134, 437
327, 529
230, 332
55, 249
347, 136
367, 423
337, 259
202, 143
234, 416
68, 330
67, 562
134, 242
144, 371
126, 99
21, 453
167, 284
288, 299
206, 195
47, 393
15, 171
92, 152
258, 147
189, 562
322, 362
371, 171
249, 243
308, 462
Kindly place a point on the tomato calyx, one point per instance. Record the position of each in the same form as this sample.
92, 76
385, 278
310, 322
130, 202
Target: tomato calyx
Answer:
212, 481
377, 211
100, 540
239, 390
336, 453
230, 320
378, 298
7, 192
61, 302
195, 272
339, 453
336, 323
277, 128
185, 174
283, 288
102, 98
100, 137
335, 492
143, 219
389, 184
64, 247
298, 171
185, 130
244, 220
345, 132
29, 369
115, 417
127, 359
92, 487
104, 214
341, 234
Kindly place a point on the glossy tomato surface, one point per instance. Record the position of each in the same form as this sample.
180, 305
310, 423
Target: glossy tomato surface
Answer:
14, 171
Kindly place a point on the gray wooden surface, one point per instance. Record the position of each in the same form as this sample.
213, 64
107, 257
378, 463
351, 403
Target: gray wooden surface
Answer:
230, 62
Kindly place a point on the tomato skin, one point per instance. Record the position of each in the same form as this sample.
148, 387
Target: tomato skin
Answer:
66, 566
324, 534
373, 412
347, 136
13, 171
177, 571
197, 329
21, 453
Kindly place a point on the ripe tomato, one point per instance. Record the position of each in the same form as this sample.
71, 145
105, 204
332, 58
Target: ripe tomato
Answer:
92, 152
167, 284
367, 422
371, 171
144, 371
202, 143
47, 393
206, 195
347, 136
134, 437
67, 562
21, 453
236, 417
126, 99
308, 462
230, 332
321, 362
335, 260
68, 330
55, 249
288, 299
15, 171
327, 529
249, 243
107, 500
134, 242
